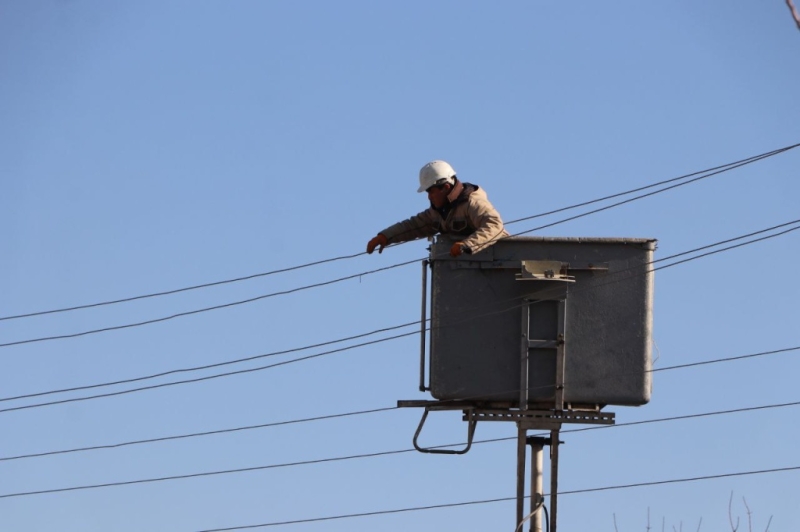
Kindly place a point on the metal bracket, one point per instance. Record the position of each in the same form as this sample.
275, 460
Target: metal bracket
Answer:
471, 424
422, 327
489, 264
525, 419
544, 270
545, 417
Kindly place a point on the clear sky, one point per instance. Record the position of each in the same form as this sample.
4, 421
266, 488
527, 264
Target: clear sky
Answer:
154, 145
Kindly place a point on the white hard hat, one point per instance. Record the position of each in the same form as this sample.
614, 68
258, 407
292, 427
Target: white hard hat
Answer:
435, 173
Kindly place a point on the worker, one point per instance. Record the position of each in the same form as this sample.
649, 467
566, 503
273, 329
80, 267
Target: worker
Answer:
461, 210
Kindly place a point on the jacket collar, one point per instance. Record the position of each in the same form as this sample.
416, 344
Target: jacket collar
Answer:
455, 192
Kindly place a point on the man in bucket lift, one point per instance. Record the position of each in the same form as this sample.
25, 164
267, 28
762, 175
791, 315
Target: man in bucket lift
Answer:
461, 210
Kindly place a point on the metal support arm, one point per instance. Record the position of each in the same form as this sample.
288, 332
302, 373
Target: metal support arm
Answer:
471, 423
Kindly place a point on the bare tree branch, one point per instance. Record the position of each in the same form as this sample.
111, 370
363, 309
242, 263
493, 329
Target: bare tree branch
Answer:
734, 528
648, 520
795, 14
615, 522
698, 524
768, 522
749, 515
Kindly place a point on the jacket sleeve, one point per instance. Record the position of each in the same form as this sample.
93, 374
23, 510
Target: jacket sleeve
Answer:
418, 226
489, 226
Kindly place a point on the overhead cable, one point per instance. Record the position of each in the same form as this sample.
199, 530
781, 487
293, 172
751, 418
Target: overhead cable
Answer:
365, 455
249, 469
325, 283
177, 290
209, 366
387, 409
641, 196
358, 345
715, 169
504, 499
198, 434
206, 378
207, 309
330, 342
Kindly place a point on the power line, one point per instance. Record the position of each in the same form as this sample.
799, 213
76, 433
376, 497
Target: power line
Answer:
504, 499
665, 266
731, 166
715, 244
730, 247
725, 168
358, 456
677, 418
206, 309
713, 171
303, 348
666, 368
613, 205
363, 514
734, 164
177, 290
199, 379
208, 366
197, 434
670, 257
386, 409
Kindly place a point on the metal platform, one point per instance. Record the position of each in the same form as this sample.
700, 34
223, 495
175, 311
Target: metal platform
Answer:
526, 419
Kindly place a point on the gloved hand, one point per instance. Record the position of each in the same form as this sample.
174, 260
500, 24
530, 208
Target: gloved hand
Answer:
379, 240
457, 249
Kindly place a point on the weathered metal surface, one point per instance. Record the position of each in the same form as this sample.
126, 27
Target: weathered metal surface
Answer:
477, 301
542, 419
544, 270
423, 325
531, 419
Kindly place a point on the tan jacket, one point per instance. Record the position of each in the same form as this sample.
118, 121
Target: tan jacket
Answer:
468, 215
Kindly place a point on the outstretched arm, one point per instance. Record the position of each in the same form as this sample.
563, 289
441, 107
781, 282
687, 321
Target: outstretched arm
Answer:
418, 226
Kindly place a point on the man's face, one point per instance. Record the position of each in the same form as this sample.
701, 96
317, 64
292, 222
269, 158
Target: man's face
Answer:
438, 195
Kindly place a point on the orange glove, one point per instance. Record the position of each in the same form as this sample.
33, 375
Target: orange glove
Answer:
457, 249
379, 240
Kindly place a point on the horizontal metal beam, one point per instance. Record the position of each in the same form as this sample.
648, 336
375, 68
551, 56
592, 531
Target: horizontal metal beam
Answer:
530, 418
517, 264
557, 416
542, 344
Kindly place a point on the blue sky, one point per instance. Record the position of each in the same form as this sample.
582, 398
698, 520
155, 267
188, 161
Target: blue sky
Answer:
148, 146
